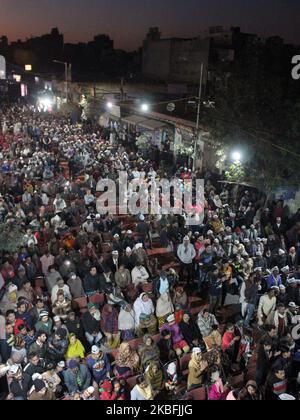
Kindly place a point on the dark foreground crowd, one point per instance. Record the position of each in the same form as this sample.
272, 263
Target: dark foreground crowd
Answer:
139, 307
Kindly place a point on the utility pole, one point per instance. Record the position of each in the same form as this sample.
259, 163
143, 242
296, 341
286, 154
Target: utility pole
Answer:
68, 70
198, 115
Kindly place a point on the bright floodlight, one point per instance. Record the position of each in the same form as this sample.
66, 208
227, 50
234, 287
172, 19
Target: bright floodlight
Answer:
109, 105
145, 107
45, 103
236, 156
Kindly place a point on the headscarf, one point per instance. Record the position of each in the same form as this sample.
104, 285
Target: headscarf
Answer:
155, 379
195, 362
127, 357
147, 353
145, 392
141, 307
109, 320
164, 305
75, 350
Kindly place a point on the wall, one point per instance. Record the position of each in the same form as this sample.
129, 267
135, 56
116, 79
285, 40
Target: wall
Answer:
156, 59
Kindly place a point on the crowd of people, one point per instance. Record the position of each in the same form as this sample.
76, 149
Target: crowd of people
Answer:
91, 310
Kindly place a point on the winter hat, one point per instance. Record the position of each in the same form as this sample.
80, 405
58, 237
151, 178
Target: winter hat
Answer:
95, 350
107, 386
90, 306
91, 390
282, 287
285, 269
43, 314
293, 305
292, 281
128, 249
73, 364
287, 397
14, 369
171, 318
61, 364
197, 350
281, 252
39, 385
56, 319
36, 376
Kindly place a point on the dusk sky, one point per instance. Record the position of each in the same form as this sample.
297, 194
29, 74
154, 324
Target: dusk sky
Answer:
127, 21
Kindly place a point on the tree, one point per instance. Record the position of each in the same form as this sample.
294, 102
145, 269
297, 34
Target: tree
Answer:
258, 112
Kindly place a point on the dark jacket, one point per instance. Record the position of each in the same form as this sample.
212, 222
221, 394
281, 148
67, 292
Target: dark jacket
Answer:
71, 379
90, 324
31, 369
17, 390
263, 366
167, 353
251, 294
91, 283
57, 353
190, 332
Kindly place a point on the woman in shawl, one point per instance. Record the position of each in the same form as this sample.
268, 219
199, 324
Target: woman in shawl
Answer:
197, 368
142, 391
191, 332
218, 391
110, 326
145, 320
164, 308
180, 298
75, 348
155, 377
127, 322
127, 361
148, 351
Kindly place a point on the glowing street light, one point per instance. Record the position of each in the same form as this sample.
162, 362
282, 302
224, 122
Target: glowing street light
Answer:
45, 103
109, 105
145, 107
28, 67
237, 157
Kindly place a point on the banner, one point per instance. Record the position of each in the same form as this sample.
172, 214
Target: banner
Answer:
2, 68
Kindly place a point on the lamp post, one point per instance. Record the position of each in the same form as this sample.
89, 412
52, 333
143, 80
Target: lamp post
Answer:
66, 75
198, 116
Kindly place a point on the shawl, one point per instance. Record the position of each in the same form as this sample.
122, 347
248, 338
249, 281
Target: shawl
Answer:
148, 353
141, 307
146, 393
127, 357
75, 350
155, 380
109, 320
164, 305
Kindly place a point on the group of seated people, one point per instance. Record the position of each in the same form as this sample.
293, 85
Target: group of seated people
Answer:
91, 310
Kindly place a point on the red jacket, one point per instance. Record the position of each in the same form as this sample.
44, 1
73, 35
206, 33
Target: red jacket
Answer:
226, 340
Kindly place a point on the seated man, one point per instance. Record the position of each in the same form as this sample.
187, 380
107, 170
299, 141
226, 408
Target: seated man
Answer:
139, 275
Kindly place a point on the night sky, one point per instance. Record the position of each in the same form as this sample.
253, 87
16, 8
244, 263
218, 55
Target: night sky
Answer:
127, 21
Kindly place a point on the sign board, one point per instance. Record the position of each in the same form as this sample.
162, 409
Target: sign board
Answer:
171, 107
2, 68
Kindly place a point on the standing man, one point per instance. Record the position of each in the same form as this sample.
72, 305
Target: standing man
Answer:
186, 254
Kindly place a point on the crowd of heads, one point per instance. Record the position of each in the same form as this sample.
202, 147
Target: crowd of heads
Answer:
90, 307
